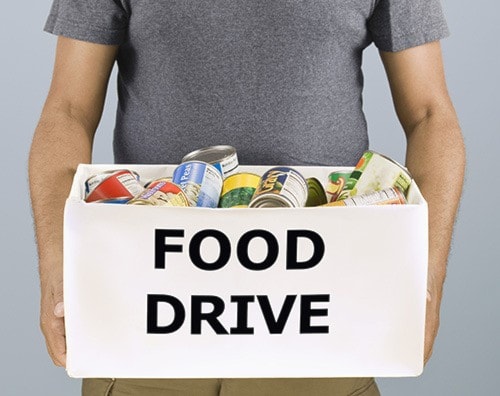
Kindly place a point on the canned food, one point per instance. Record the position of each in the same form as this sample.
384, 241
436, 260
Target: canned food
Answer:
224, 158
336, 183
149, 183
238, 190
200, 181
316, 195
161, 192
111, 185
280, 187
375, 172
389, 196
119, 201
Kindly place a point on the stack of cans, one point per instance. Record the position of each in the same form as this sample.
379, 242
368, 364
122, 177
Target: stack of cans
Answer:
209, 178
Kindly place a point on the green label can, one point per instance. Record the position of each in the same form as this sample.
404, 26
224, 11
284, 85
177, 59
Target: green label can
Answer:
316, 195
238, 190
376, 172
336, 183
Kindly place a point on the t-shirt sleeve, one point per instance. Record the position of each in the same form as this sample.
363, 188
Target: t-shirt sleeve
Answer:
396, 25
96, 21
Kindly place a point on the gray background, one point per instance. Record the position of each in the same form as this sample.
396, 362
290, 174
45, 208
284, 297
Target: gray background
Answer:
466, 359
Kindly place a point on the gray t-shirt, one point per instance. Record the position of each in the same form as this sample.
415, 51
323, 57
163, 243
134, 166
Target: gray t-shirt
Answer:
280, 80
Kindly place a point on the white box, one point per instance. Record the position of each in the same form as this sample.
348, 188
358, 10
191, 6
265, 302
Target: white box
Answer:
362, 306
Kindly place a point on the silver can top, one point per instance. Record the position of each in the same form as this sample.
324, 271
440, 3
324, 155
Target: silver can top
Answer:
271, 201
210, 154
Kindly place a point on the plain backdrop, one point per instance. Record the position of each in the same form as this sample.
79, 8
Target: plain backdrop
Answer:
466, 358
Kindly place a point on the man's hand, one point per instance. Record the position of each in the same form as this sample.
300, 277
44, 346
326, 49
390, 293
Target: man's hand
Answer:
431, 317
52, 316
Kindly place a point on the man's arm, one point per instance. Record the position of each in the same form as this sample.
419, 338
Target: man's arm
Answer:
62, 140
435, 155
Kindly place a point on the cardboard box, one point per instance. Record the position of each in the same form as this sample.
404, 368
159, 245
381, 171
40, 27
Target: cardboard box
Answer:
307, 292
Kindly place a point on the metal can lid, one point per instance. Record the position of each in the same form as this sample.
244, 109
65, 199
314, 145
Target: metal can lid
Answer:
271, 201
316, 195
138, 201
210, 154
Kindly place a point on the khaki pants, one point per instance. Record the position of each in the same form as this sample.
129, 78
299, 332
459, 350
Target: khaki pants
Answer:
231, 387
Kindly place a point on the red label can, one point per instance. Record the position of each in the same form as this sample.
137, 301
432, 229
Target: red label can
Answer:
112, 184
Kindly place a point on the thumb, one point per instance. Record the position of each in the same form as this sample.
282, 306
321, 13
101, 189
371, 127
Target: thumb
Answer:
59, 310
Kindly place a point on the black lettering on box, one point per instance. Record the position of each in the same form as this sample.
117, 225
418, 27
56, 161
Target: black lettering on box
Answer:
152, 314
272, 250
276, 325
197, 316
292, 249
242, 314
307, 312
195, 250
161, 247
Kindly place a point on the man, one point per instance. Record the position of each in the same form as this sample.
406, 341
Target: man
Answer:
279, 80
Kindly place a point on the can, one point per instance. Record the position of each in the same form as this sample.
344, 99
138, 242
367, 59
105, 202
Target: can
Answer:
111, 185
200, 181
376, 172
238, 190
149, 183
316, 195
336, 183
119, 201
280, 187
161, 192
389, 196
224, 158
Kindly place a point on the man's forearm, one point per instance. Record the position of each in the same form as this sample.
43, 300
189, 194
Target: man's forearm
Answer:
60, 143
62, 140
436, 159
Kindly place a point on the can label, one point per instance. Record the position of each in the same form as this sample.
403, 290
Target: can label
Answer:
238, 190
336, 183
282, 184
201, 182
223, 158
117, 201
161, 193
229, 165
389, 196
375, 172
112, 184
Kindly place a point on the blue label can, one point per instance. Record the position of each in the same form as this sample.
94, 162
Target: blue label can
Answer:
200, 181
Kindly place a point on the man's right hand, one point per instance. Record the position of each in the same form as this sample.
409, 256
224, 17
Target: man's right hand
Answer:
52, 315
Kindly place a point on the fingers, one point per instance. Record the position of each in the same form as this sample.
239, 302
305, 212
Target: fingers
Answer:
431, 328
55, 340
59, 342
52, 325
